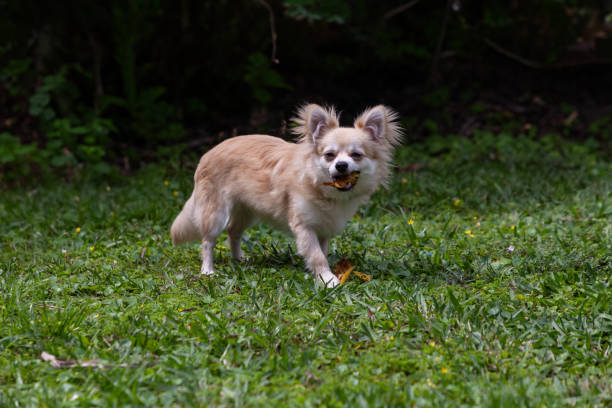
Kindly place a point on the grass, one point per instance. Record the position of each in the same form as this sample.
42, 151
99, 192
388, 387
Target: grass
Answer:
491, 287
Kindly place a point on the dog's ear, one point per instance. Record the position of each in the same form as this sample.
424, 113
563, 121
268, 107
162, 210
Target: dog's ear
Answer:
313, 122
381, 124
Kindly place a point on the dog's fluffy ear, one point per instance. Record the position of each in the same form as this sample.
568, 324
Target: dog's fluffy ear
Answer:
380, 122
313, 122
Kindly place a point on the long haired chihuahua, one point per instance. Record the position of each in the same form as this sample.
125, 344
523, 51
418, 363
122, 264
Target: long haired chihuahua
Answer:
310, 188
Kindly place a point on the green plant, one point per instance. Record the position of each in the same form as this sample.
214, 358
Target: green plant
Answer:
261, 78
15, 157
12, 74
601, 128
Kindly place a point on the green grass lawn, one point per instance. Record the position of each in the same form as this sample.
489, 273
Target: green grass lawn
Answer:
491, 287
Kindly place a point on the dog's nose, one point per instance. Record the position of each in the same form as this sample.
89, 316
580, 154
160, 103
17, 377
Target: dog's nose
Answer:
342, 166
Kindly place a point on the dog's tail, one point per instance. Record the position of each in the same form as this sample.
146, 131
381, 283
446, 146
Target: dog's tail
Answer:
184, 228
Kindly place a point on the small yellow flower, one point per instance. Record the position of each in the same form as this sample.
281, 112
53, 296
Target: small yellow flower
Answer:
166, 182
512, 227
432, 343
456, 202
91, 248
404, 181
391, 338
96, 316
444, 370
180, 310
78, 229
469, 233
175, 192
410, 222
475, 218
566, 309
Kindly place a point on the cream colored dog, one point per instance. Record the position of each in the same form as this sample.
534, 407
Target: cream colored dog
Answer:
263, 178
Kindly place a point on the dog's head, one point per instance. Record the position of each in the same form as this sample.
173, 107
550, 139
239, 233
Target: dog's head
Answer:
344, 154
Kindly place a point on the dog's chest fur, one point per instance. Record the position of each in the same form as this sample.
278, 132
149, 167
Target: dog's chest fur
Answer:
326, 218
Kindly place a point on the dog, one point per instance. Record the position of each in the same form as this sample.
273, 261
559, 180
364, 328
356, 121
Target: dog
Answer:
310, 188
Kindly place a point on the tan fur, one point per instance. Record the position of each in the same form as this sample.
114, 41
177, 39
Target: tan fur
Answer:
254, 178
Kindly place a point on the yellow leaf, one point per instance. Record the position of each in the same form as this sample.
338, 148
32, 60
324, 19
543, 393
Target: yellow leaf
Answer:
342, 270
346, 275
363, 276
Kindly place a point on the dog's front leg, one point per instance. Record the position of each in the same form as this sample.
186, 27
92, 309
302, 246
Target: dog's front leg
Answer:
309, 247
324, 242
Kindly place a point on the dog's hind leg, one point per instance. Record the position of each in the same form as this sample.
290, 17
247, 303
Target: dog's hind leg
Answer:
213, 219
240, 220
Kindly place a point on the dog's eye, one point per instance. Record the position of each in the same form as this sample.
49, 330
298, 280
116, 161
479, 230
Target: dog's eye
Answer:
356, 155
330, 155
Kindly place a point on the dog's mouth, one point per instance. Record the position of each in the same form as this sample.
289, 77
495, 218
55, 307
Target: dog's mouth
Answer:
344, 182
347, 187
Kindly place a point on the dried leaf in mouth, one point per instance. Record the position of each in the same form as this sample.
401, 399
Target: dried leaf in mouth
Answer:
342, 182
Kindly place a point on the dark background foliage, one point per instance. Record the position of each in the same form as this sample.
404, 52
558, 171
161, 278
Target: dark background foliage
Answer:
110, 85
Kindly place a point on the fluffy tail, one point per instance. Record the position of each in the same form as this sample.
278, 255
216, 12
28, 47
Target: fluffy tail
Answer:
183, 228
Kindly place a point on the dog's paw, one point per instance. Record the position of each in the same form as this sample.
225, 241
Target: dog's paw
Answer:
241, 258
237, 255
207, 271
328, 279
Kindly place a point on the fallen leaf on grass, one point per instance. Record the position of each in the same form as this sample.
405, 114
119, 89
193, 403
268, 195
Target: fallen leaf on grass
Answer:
343, 270
61, 363
363, 276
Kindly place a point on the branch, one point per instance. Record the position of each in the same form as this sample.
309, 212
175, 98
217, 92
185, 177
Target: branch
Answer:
400, 9
511, 55
97, 70
272, 28
433, 75
537, 65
